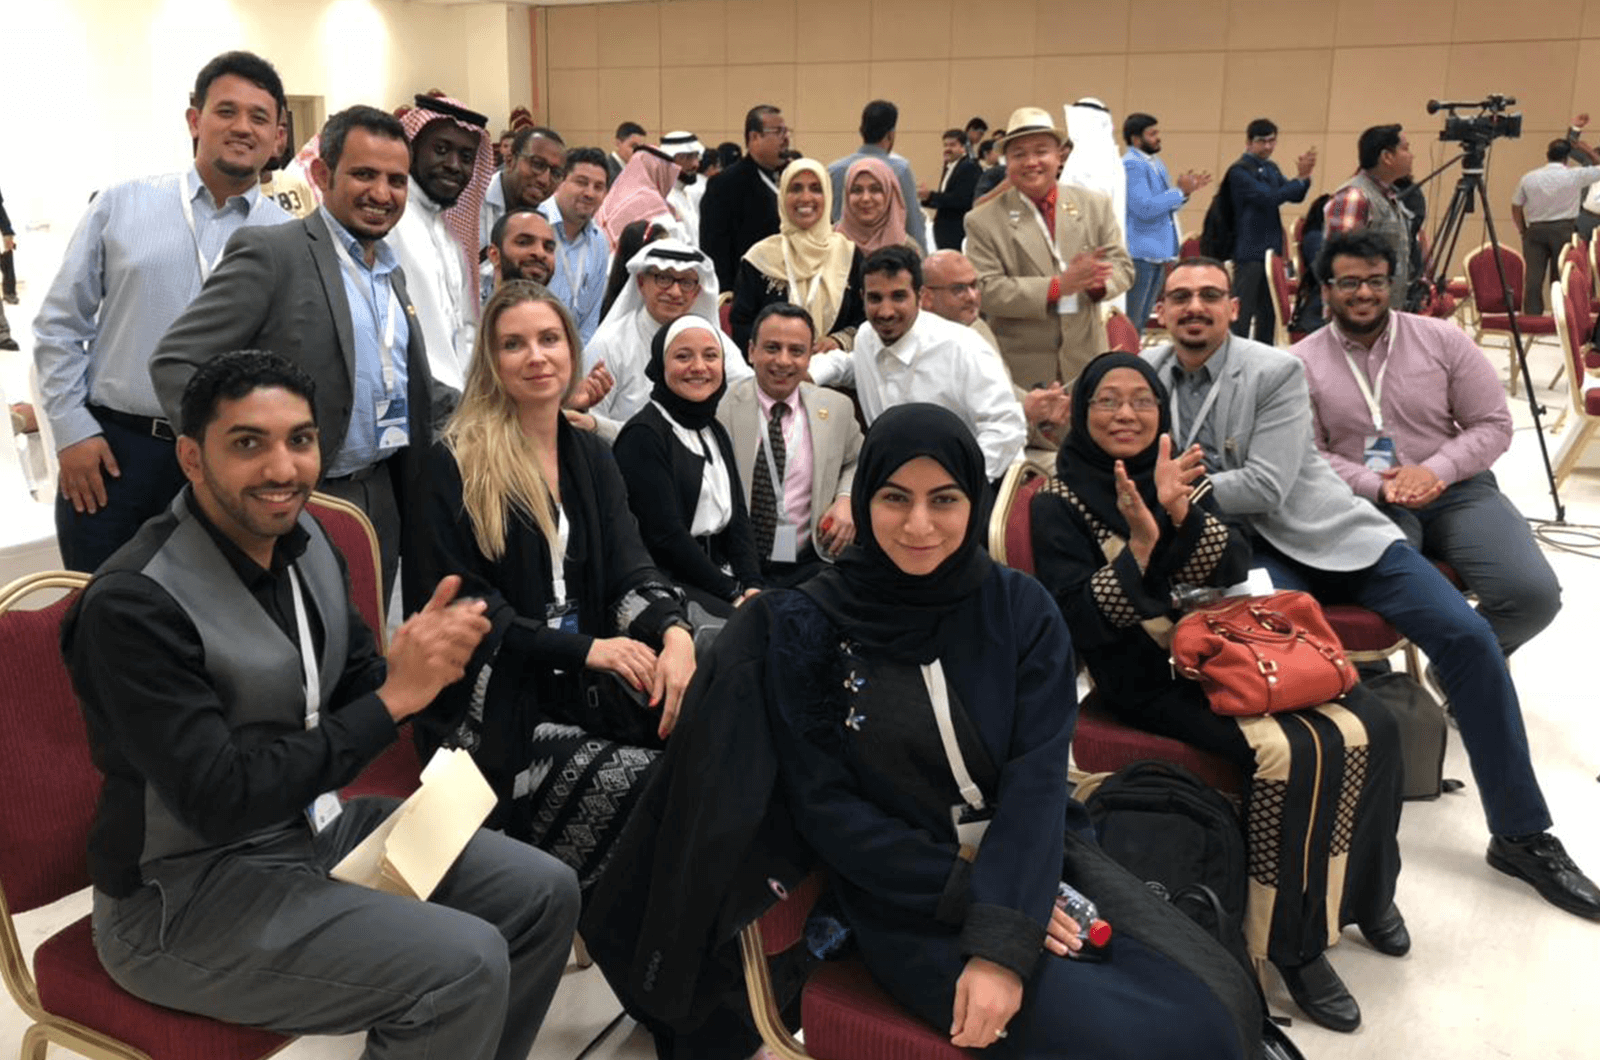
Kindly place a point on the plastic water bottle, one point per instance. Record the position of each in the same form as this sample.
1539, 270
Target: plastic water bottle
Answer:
1091, 929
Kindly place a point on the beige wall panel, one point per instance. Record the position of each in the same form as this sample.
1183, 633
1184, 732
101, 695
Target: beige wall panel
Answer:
749, 86
694, 32
993, 27
1383, 22
917, 88
630, 95
1409, 78
925, 152
1493, 20
831, 96
1290, 87
1061, 79
905, 29
1183, 91
1591, 19
574, 100
629, 35
1081, 27
836, 29
1539, 74
1189, 25
825, 147
761, 31
1258, 25
993, 88
1584, 99
573, 37
694, 100
1201, 152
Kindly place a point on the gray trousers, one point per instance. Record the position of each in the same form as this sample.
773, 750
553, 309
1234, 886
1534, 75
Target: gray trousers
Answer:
372, 490
1475, 529
260, 935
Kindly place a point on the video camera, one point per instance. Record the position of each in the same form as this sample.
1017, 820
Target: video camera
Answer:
1490, 123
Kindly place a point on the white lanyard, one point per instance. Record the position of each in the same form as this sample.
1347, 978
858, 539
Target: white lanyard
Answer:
308, 653
1373, 394
768, 181
1199, 418
1049, 240
575, 278
938, 695
194, 235
364, 282
558, 558
778, 489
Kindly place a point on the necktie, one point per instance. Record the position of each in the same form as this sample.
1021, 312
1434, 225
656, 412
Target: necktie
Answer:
763, 493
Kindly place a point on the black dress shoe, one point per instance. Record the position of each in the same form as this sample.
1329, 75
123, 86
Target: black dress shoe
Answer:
1388, 933
1322, 995
1542, 861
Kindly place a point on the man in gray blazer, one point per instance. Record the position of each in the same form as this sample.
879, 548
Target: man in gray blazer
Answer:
811, 446
327, 293
1248, 406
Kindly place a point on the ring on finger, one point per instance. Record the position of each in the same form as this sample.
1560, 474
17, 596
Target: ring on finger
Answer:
1001, 1033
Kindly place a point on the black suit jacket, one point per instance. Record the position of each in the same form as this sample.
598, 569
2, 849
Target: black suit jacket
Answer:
950, 206
738, 211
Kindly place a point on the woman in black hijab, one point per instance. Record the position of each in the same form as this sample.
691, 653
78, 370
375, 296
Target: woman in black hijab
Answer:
1123, 529
683, 486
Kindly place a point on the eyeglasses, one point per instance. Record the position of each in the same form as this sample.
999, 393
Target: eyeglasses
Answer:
1352, 284
781, 130
664, 281
960, 290
1182, 295
1141, 403
540, 167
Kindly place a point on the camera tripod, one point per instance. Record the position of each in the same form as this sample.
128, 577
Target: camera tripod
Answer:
1469, 191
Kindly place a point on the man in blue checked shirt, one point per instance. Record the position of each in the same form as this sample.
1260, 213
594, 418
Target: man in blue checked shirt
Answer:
138, 257
583, 255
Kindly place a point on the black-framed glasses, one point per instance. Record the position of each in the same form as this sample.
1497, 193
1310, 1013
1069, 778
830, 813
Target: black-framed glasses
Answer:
1183, 296
540, 167
1352, 284
664, 281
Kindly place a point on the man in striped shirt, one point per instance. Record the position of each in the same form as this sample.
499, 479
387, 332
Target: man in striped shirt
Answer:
137, 259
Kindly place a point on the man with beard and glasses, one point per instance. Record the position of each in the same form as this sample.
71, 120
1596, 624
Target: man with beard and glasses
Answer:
229, 689
531, 175
1248, 406
436, 238
1412, 416
582, 251
327, 293
138, 256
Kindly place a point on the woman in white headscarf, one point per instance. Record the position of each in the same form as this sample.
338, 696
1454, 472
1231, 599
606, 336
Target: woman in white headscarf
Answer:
807, 263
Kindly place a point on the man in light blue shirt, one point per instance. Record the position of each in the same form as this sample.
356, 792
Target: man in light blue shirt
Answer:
138, 257
1153, 205
582, 253
878, 121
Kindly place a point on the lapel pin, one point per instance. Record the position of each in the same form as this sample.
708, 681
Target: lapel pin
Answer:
822, 414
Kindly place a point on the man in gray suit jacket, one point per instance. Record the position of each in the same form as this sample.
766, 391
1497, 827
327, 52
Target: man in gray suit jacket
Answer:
1248, 406
327, 293
811, 446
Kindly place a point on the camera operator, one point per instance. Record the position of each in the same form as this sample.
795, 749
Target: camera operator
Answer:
1370, 200
1545, 209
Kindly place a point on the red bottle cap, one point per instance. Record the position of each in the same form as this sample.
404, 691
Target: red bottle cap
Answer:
1099, 933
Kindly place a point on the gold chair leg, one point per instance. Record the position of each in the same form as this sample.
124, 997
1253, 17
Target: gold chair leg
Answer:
580, 953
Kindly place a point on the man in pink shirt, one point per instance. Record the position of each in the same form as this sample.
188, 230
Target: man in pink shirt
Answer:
1409, 413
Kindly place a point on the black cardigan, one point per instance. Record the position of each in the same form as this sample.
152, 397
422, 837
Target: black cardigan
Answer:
753, 291
664, 479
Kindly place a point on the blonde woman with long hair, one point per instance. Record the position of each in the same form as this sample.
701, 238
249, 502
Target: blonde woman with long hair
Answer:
584, 649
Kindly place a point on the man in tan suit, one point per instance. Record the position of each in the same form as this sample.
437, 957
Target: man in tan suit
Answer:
809, 446
1046, 255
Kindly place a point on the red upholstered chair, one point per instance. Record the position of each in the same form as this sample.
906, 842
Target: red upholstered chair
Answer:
846, 1015
1495, 303
1121, 335
1011, 524
1282, 300
1190, 247
1583, 390
48, 789
396, 771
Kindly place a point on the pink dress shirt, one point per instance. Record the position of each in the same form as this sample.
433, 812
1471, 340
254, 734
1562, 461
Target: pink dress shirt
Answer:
797, 462
1442, 402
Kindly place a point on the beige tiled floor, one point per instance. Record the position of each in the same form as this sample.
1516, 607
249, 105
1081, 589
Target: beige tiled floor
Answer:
1494, 971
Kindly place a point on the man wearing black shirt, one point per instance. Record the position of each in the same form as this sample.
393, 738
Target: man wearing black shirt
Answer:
222, 748
740, 207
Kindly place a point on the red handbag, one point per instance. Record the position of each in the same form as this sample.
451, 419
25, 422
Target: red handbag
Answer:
1262, 654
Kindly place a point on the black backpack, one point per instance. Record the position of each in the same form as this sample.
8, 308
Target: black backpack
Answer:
1221, 226
1172, 830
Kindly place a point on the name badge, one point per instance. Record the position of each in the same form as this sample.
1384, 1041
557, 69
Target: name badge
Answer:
970, 824
394, 428
1379, 454
323, 811
785, 544
562, 616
